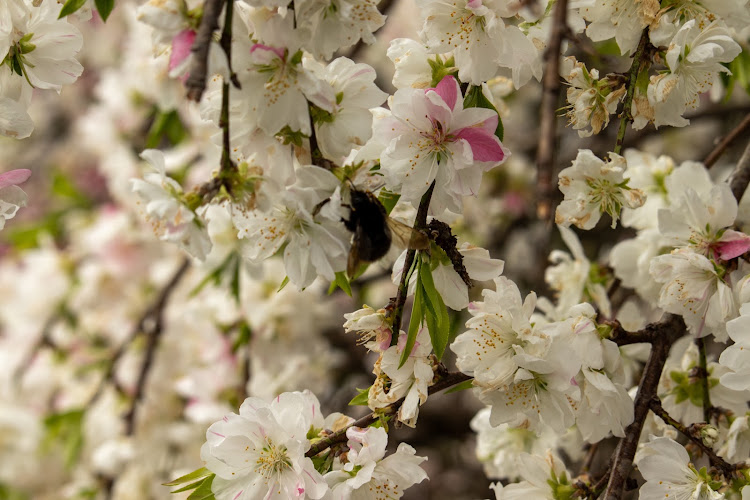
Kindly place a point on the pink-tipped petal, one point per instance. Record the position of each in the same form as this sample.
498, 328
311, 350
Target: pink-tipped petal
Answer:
484, 146
279, 51
181, 44
732, 244
448, 90
14, 177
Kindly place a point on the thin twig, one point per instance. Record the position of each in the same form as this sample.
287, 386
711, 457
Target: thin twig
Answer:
720, 148
703, 376
741, 175
625, 451
196, 81
635, 69
153, 332
208, 190
726, 468
651, 332
403, 287
545, 159
44, 341
449, 380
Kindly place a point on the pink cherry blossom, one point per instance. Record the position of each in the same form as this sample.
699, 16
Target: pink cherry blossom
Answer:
14, 177
429, 136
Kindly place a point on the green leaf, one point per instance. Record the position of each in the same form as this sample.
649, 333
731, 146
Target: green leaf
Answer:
466, 384
64, 188
8, 493
215, 276
437, 318
414, 322
166, 124
66, 430
243, 338
283, 284
70, 6
203, 492
341, 281
739, 73
475, 98
361, 398
105, 8
192, 476
388, 199
234, 283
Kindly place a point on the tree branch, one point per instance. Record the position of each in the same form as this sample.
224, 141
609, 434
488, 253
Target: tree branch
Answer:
196, 82
449, 380
156, 314
403, 287
625, 451
671, 325
741, 175
545, 159
726, 468
720, 148
703, 376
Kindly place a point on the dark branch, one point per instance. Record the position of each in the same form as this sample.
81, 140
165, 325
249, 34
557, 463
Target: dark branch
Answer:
719, 150
741, 175
545, 159
625, 451
153, 331
670, 325
449, 380
196, 82
403, 287
689, 432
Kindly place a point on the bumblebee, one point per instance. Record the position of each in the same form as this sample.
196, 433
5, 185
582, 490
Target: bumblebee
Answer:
374, 231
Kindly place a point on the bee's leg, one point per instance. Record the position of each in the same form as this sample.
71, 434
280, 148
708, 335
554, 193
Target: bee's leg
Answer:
320, 205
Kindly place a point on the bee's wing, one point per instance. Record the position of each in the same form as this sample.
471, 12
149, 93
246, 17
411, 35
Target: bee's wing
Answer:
352, 263
407, 237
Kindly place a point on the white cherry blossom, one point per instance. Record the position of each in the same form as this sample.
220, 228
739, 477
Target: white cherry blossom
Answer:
593, 187
409, 381
367, 474
692, 287
694, 61
668, 471
43, 46
171, 219
737, 356
349, 124
261, 451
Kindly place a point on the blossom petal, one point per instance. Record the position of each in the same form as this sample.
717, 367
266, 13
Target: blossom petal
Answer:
485, 147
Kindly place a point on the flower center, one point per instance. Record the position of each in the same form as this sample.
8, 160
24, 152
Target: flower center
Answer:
272, 461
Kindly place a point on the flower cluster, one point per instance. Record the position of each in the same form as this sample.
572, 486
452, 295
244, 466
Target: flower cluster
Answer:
39, 52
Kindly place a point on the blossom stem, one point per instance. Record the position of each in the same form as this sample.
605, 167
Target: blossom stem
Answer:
635, 69
703, 375
196, 82
403, 287
625, 451
726, 468
741, 175
545, 159
450, 379
727, 141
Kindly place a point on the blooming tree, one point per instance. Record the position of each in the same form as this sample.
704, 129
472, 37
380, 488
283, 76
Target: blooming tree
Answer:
217, 186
